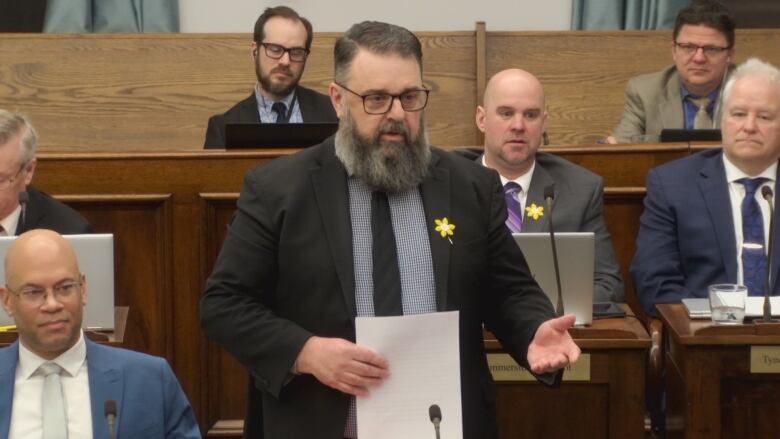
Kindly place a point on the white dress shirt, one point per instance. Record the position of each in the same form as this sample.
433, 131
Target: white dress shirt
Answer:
524, 181
10, 222
26, 412
737, 193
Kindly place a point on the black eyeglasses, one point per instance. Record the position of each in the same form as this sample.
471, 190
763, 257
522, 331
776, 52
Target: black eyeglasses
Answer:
381, 103
276, 51
689, 49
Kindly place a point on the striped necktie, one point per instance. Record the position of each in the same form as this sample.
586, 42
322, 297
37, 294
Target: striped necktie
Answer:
514, 219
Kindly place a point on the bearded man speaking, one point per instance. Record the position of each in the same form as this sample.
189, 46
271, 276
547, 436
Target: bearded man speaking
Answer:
348, 228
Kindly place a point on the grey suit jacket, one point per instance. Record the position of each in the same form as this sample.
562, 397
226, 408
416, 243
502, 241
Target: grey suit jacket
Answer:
653, 102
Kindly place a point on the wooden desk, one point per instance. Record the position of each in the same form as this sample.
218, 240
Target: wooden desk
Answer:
711, 392
610, 404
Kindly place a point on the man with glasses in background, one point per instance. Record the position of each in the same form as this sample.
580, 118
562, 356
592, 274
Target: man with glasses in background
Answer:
282, 41
371, 222
55, 382
686, 94
22, 207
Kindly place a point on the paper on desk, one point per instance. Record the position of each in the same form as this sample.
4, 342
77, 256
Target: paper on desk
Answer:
424, 355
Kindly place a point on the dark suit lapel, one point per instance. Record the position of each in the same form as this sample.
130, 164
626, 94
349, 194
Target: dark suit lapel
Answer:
435, 190
539, 180
247, 110
332, 196
8, 359
106, 382
715, 191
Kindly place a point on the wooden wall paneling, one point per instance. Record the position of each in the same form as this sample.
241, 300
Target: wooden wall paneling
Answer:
228, 385
142, 248
583, 73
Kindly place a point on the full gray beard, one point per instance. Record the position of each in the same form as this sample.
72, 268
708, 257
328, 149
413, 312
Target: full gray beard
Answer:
402, 169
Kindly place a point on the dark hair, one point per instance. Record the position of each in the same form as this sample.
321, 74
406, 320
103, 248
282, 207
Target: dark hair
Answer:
284, 12
376, 37
708, 13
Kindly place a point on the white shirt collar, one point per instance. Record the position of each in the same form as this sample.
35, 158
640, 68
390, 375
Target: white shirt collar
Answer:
733, 173
70, 360
10, 222
524, 180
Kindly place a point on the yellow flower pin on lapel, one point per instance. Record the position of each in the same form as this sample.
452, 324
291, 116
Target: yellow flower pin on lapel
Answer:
445, 228
534, 211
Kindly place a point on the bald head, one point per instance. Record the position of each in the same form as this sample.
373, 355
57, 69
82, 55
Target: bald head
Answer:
516, 80
36, 245
513, 119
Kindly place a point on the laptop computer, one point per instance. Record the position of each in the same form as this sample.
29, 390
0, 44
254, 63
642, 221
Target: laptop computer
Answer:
683, 135
699, 308
277, 135
95, 254
576, 261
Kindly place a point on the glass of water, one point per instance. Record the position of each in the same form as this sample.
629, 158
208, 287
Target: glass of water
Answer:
727, 303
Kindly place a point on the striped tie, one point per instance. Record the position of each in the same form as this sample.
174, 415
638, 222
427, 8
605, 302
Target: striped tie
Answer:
514, 219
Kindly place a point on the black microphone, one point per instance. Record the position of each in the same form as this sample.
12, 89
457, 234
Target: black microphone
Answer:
24, 197
109, 408
549, 195
435, 413
766, 192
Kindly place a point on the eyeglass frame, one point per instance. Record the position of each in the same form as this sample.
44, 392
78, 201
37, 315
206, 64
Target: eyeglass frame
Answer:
392, 99
709, 51
284, 50
5, 183
25, 293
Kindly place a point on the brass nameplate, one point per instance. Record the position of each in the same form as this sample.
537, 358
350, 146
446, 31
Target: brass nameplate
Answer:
504, 368
765, 359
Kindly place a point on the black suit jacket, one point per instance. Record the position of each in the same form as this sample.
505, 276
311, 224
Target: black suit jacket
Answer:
285, 273
315, 107
44, 212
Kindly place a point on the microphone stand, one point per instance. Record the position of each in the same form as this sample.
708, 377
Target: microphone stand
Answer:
766, 192
549, 194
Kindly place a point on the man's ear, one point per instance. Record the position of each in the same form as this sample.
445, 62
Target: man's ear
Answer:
336, 98
480, 118
5, 297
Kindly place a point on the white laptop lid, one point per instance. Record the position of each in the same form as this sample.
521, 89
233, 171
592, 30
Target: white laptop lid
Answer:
576, 262
95, 254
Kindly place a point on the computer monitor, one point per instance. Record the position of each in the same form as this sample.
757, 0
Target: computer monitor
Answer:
277, 135
576, 261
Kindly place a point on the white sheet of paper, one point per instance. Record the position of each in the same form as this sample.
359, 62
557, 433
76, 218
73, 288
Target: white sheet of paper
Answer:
424, 355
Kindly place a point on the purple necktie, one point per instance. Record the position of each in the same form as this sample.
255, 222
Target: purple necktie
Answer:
514, 219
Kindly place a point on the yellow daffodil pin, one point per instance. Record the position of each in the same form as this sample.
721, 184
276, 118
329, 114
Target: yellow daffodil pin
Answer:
445, 228
534, 211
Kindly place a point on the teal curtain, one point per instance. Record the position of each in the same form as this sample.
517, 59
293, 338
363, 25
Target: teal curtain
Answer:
84, 16
625, 14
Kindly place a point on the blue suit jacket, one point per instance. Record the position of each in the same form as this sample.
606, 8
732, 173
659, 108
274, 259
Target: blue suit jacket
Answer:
686, 236
150, 402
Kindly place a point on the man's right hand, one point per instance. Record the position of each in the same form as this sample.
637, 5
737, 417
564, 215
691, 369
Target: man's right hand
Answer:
342, 365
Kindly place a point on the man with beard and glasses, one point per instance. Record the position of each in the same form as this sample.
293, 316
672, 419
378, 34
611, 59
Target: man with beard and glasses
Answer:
282, 41
687, 93
348, 228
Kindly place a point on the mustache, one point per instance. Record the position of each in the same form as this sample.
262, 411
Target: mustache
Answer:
282, 69
394, 127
